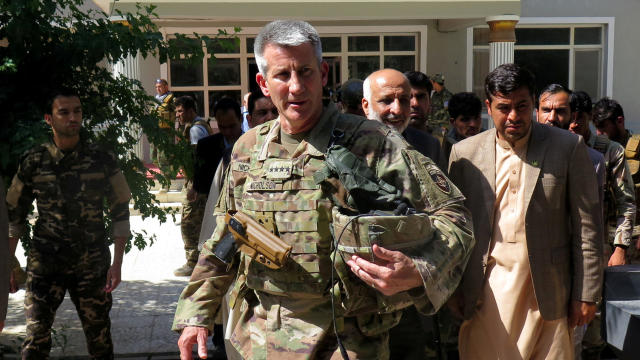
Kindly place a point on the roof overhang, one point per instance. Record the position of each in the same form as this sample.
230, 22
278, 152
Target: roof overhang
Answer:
255, 10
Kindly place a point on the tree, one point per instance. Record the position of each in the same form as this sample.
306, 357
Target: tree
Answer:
49, 44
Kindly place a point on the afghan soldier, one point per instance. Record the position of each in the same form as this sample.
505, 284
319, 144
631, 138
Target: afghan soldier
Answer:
438, 120
283, 175
166, 110
194, 128
70, 179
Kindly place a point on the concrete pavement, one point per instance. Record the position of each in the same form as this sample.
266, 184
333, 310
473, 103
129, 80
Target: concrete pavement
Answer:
143, 304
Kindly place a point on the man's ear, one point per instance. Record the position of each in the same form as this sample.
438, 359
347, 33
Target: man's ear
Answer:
324, 70
488, 105
365, 107
620, 121
262, 82
47, 118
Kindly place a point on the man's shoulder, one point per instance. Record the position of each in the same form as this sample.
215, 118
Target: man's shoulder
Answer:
471, 143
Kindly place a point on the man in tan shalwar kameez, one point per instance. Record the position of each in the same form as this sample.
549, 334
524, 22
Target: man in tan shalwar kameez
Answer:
536, 271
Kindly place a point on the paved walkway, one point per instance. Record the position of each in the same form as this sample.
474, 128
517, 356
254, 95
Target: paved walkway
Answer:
143, 304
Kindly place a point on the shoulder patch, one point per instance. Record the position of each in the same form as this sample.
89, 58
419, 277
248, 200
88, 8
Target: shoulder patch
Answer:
441, 182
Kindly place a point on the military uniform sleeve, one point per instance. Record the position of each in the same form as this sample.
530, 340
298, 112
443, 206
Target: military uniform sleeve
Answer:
201, 298
442, 261
118, 196
624, 197
20, 196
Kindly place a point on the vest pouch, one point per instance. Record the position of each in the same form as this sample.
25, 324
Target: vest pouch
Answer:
376, 324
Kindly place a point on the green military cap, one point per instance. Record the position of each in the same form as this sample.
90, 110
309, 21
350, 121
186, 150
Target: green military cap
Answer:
439, 78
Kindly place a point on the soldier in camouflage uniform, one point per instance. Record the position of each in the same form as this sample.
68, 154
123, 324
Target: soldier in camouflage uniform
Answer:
193, 205
287, 313
608, 118
70, 180
438, 120
166, 110
619, 204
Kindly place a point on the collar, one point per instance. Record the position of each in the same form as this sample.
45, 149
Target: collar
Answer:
520, 144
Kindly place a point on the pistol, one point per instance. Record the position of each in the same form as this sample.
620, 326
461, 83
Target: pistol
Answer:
248, 236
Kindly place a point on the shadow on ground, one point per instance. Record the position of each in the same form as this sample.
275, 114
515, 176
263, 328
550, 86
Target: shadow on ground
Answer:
141, 319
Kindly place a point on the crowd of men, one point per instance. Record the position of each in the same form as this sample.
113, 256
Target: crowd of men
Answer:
412, 236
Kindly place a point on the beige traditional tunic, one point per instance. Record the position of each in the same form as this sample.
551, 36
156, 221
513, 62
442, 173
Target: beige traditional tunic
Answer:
507, 323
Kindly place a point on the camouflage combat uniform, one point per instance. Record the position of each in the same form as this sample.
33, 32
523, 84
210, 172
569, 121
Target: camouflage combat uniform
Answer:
192, 211
438, 118
166, 110
619, 213
620, 205
287, 313
69, 248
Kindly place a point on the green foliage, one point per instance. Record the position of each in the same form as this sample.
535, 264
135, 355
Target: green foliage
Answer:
54, 44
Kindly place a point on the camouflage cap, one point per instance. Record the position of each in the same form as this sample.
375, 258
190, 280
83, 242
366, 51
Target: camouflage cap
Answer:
439, 78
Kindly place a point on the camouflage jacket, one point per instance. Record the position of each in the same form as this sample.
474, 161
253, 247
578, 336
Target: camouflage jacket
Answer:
69, 190
278, 190
439, 114
620, 203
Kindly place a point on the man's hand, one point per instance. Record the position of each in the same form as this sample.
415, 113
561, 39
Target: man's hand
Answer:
190, 336
113, 277
391, 273
618, 257
581, 313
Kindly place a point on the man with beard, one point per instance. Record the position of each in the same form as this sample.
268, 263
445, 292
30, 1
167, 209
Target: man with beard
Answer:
388, 98
536, 271
554, 108
70, 179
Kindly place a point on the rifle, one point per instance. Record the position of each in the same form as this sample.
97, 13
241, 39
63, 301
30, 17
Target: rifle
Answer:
247, 235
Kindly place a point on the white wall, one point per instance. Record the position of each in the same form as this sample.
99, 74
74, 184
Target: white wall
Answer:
446, 53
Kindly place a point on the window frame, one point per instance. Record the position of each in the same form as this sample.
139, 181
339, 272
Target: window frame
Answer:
606, 47
344, 32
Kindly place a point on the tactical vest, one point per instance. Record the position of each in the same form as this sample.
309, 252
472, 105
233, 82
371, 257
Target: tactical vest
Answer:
187, 129
632, 155
167, 113
281, 193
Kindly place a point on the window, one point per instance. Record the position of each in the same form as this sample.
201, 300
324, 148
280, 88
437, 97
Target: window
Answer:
232, 70
571, 55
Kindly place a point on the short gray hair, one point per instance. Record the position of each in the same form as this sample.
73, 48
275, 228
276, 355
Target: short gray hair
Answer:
285, 33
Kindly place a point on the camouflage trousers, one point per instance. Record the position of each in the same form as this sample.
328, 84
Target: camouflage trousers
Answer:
415, 337
192, 214
47, 283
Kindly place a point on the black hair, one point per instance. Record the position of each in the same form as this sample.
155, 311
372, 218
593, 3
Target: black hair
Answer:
606, 109
253, 97
351, 92
508, 78
419, 80
60, 92
552, 89
187, 103
225, 104
465, 104
580, 101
